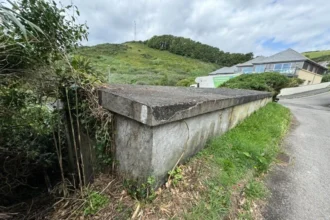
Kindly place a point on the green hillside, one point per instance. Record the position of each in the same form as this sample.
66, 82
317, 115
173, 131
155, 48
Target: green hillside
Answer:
135, 63
318, 56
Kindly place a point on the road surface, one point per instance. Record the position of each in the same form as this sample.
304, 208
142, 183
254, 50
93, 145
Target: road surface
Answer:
301, 188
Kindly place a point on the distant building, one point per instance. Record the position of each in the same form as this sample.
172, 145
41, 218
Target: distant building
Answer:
213, 81
288, 62
324, 63
225, 70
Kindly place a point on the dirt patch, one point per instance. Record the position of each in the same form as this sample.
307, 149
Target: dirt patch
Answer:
283, 159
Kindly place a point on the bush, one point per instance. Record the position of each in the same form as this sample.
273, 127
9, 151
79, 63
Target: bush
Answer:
27, 148
326, 78
186, 82
270, 82
295, 82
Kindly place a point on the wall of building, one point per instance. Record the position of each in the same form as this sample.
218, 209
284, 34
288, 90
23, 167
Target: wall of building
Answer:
270, 66
213, 81
299, 64
312, 67
309, 77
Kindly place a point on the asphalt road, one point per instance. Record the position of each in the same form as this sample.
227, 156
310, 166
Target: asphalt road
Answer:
301, 188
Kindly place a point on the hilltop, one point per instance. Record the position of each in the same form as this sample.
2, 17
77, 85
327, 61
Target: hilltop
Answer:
319, 55
136, 63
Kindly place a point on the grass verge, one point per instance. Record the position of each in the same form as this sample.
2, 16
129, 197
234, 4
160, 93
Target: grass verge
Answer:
235, 161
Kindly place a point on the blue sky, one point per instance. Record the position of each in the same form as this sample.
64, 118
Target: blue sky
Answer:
259, 26
275, 45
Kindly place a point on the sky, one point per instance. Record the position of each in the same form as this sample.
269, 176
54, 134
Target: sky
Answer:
259, 26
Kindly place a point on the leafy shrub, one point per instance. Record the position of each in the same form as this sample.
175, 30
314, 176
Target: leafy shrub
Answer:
27, 147
141, 191
95, 201
175, 175
294, 82
185, 82
326, 78
270, 82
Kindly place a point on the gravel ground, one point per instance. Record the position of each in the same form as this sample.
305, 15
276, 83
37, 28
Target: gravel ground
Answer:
301, 188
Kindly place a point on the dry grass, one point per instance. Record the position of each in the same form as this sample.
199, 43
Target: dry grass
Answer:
174, 201
119, 207
171, 201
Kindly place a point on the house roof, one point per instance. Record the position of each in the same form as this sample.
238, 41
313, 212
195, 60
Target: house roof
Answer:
250, 62
224, 70
324, 63
286, 55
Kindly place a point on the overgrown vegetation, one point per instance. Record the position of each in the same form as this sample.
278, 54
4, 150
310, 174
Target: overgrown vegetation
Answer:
141, 191
135, 63
189, 48
270, 82
249, 148
94, 202
326, 78
48, 104
318, 56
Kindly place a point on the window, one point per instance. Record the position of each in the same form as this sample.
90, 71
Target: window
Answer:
247, 69
310, 67
283, 67
260, 68
286, 66
278, 66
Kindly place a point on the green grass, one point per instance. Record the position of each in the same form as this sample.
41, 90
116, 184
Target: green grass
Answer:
245, 151
135, 63
316, 54
255, 190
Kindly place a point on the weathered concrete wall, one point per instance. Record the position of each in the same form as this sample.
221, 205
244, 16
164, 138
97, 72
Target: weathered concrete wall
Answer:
150, 142
307, 89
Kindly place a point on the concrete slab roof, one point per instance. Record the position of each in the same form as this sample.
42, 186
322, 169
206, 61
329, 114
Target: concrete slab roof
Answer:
154, 105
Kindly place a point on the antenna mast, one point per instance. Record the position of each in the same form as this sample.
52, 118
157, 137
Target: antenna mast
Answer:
134, 30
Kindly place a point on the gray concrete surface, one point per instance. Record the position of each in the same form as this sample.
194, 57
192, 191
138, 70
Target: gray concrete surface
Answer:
304, 94
303, 89
301, 189
159, 127
155, 105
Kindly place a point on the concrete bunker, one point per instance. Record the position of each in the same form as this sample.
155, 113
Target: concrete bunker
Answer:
156, 126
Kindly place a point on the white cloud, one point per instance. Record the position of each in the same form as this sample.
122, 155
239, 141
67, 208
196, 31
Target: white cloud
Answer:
259, 26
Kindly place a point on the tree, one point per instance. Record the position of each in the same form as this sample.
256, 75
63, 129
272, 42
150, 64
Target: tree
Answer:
189, 48
37, 32
34, 41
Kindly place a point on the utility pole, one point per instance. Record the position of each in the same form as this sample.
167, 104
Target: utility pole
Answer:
134, 30
108, 73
